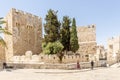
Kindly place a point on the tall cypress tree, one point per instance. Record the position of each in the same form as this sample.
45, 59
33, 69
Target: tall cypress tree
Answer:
52, 27
65, 33
73, 37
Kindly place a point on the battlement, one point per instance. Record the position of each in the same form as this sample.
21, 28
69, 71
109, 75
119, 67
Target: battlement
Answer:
86, 33
88, 28
24, 13
29, 58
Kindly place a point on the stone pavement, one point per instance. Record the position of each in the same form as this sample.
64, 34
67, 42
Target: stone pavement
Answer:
115, 65
56, 74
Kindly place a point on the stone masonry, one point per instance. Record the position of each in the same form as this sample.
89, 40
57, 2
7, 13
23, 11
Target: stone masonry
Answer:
87, 40
26, 32
2, 53
113, 47
101, 53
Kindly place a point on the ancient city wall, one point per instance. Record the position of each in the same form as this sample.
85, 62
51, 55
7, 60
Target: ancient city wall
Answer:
87, 39
42, 58
86, 33
2, 54
26, 32
47, 59
87, 48
83, 65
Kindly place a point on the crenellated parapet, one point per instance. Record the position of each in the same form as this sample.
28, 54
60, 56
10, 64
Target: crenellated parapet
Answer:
88, 28
24, 13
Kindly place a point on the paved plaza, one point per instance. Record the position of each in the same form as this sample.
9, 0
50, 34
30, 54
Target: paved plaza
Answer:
111, 73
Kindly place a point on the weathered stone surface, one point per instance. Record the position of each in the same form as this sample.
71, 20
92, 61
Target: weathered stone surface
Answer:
47, 59
87, 48
87, 39
28, 53
2, 53
113, 47
101, 52
26, 32
86, 33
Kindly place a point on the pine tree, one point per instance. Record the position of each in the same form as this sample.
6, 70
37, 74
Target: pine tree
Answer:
52, 27
65, 33
74, 46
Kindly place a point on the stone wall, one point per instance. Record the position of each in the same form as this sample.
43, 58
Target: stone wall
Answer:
101, 53
26, 32
87, 39
2, 54
113, 46
87, 48
31, 58
83, 65
44, 59
8, 38
86, 33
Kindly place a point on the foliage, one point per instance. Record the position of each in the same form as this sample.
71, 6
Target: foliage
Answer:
4, 31
51, 44
73, 37
52, 47
57, 40
65, 33
51, 27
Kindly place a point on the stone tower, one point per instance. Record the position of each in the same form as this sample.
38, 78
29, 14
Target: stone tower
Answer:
113, 48
26, 32
87, 40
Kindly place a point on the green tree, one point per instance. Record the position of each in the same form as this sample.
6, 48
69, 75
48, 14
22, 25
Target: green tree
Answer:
73, 37
51, 44
4, 31
65, 33
52, 27
53, 48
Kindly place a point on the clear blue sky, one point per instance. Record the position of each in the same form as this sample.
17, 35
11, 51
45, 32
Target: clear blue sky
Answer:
104, 13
